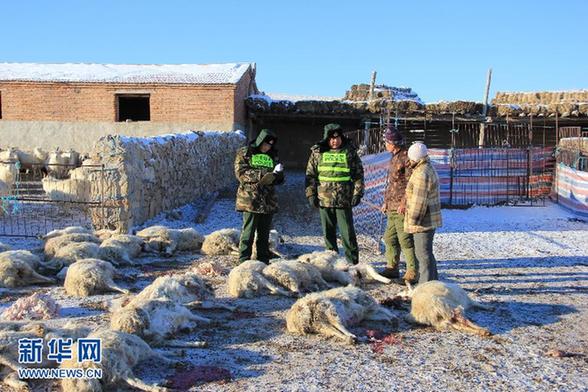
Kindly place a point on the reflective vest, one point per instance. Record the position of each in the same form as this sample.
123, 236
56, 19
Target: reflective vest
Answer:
333, 167
262, 160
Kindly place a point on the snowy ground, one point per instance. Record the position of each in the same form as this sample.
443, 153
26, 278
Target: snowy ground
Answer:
529, 263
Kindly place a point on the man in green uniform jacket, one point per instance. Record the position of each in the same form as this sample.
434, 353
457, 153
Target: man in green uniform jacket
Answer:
334, 184
258, 169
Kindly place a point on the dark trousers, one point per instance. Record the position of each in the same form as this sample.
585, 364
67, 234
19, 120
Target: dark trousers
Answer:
342, 217
253, 222
423, 249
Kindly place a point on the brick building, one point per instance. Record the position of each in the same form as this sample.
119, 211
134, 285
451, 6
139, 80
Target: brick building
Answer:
72, 105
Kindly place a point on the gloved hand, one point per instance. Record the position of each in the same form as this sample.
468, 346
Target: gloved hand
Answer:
355, 201
267, 179
279, 168
313, 201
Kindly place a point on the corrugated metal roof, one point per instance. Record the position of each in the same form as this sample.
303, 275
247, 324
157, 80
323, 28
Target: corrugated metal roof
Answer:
229, 73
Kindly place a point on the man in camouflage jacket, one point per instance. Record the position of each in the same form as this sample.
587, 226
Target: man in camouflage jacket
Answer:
258, 170
334, 184
395, 238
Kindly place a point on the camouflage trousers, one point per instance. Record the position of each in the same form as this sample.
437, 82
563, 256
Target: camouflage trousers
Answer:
397, 240
253, 222
343, 218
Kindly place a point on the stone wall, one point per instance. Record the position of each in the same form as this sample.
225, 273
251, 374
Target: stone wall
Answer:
81, 136
160, 173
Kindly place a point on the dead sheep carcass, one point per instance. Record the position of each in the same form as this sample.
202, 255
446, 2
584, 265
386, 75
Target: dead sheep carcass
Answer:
221, 242
187, 289
23, 255
331, 312
9, 354
442, 305
167, 241
67, 230
121, 248
71, 253
34, 307
247, 280
295, 276
58, 242
90, 276
121, 352
16, 271
157, 321
337, 269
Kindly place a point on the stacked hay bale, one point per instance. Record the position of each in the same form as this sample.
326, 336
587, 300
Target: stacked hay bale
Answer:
544, 103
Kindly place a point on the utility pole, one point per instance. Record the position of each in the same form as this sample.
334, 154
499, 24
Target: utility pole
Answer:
485, 110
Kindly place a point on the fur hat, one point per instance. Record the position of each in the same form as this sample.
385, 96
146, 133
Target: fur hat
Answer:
417, 151
393, 135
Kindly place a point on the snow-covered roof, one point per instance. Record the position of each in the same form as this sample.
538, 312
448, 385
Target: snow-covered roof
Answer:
229, 73
296, 98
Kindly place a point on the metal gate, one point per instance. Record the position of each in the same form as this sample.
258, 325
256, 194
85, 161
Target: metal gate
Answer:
32, 204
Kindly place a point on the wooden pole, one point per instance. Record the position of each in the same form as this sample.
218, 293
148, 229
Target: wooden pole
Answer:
372, 85
485, 110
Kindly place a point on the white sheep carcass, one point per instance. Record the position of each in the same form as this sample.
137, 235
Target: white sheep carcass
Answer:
187, 289
121, 248
104, 234
67, 230
247, 280
72, 252
442, 305
157, 321
337, 269
9, 354
295, 276
331, 312
55, 243
332, 267
166, 240
34, 307
221, 242
121, 352
14, 272
23, 255
90, 276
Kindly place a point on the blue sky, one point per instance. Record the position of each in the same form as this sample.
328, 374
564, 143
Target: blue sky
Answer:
442, 49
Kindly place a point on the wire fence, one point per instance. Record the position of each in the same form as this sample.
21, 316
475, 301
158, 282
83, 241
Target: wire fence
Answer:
32, 205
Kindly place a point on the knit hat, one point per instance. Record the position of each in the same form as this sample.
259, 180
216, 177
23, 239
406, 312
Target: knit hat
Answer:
417, 151
393, 135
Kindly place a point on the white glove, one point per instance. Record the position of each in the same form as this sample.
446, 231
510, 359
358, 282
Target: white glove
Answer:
279, 168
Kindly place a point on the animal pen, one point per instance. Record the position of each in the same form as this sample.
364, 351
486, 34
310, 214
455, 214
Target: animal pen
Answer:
480, 164
35, 205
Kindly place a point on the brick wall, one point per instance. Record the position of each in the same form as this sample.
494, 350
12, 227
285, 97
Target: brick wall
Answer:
97, 102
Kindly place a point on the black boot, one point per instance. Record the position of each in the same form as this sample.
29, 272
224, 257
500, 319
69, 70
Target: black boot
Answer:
391, 272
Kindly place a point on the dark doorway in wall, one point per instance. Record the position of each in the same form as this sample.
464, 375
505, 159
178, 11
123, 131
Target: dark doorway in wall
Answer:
133, 107
0, 105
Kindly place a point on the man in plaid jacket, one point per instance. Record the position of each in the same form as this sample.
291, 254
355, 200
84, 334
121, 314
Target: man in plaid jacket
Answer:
423, 210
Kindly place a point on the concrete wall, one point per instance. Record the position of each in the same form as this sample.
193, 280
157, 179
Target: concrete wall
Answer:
81, 136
